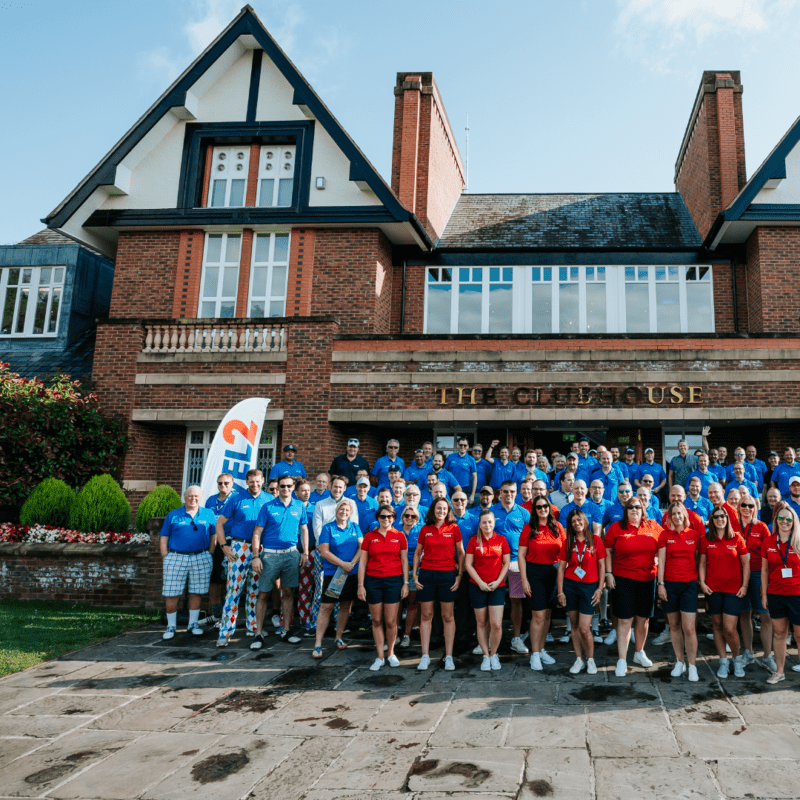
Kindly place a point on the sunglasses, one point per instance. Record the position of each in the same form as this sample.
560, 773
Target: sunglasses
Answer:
508, 491
223, 483
783, 519
540, 506
385, 516
719, 516
285, 485
393, 447
405, 516
748, 505
635, 508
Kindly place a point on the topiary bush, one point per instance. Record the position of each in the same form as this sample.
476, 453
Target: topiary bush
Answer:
49, 503
100, 506
156, 503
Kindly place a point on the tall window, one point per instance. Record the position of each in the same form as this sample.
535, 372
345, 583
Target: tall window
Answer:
30, 298
220, 275
276, 167
228, 182
268, 275
571, 299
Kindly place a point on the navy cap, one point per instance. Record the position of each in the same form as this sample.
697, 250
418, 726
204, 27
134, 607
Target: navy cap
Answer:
289, 447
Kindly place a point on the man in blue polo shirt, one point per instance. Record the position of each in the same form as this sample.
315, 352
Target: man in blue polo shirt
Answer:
462, 467
715, 467
528, 469
788, 468
616, 510
597, 496
682, 465
380, 470
242, 511
502, 468
649, 467
738, 479
282, 524
482, 466
418, 469
442, 475
608, 475
322, 481
187, 535
750, 472
757, 464
704, 474
629, 467
586, 462
364, 503
582, 503
694, 499
288, 466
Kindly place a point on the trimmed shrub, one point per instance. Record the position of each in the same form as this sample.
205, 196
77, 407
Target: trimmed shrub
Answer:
49, 503
156, 503
101, 506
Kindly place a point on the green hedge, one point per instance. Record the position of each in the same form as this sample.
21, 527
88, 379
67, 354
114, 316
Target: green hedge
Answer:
49, 503
100, 506
156, 503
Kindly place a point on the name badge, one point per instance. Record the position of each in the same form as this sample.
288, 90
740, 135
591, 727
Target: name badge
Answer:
786, 572
580, 572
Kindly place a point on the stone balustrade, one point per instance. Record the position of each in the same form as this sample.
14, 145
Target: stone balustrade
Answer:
214, 336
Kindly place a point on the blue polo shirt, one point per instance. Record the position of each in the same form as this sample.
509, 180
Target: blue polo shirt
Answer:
443, 476
749, 485
351, 492
501, 472
630, 471
510, 524
719, 471
243, 512
603, 505
462, 468
592, 511
795, 506
468, 525
761, 468
343, 543
522, 472
187, 535
217, 506
484, 470
706, 479
315, 496
613, 513
281, 523
413, 473
366, 510
702, 507
781, 475
381, 469
654, 469
295, 469
610, 482
750, 472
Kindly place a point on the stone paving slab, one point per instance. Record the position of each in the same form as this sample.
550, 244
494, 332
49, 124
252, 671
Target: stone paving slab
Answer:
43, 674
14, 748
452, 769
731, 741
411, 712
544, 692
239, 711
653, 779
740, 779
473, 723
70, 705
387, 681
560, 774
222, 677
40, 727
584, 694
534, 725
12, 697
634, 732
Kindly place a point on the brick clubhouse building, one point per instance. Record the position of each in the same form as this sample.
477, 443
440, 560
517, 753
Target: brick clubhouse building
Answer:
258, 252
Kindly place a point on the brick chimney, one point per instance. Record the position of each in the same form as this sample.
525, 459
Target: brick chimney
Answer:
710, 170
427, 171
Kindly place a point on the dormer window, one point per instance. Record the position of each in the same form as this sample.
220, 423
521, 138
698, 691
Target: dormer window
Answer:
30, 299
276, 168
228, 182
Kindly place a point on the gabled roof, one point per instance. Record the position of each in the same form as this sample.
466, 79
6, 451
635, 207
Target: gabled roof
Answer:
58, 238
581, 221
245, 24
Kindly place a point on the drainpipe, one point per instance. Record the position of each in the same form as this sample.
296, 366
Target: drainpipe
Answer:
403, 301
735, 303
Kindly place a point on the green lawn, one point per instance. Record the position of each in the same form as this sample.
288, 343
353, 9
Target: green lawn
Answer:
33, 631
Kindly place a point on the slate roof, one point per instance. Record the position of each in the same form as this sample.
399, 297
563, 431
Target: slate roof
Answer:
54, 237
41, 362
507, 221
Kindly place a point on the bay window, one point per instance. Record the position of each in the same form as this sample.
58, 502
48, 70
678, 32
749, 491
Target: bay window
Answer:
30, 300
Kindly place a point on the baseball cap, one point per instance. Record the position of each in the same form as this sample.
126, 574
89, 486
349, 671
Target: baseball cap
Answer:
649, 450
773, 453
794, 479
353, 442
630, 451
418, 450
362, 482
394, 468
289, 447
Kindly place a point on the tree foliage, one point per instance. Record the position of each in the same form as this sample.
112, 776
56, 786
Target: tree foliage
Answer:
53, 430
156, 503
48, 504
101, 506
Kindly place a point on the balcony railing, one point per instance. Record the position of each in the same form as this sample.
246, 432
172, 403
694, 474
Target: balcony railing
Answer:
214, 336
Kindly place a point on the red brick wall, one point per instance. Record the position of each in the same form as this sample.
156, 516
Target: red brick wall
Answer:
188, 274
755, 300
146, 273
301, 273
773, 264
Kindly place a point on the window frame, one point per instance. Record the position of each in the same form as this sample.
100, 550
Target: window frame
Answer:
269, 297
33, 287
227, 162
222, 265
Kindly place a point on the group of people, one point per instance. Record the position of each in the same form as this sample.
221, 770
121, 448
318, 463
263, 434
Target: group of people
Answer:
465, 531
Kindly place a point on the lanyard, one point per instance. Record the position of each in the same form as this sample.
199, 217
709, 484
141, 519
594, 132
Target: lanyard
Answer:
784, 558
220, 504
579, 554
747, 535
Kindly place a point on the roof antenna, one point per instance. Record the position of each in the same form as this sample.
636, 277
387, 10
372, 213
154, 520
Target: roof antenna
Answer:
466, 161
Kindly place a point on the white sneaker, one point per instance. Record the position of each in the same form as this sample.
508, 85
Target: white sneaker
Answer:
622, 668
748, 657
598, 639
424, 663
795, 668
710, 636
276, 620
393, 660
727, 648
524, 636
633, 637
566, 638
405, 641
222, 642
662, 637
495, 659
546, 657
641, 659
769, 663
448, 663
724, 668
738, 666
678, 669
377, 664
591, 667
169, 633
486, 664
536, 662
477, 651
549, 638
518, 647
693, 676
611, 638
577, 666
195, 629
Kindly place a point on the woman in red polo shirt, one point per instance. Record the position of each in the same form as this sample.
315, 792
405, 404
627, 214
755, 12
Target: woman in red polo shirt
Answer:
383, 581
581, 571
487, 561
437, 574
631, 546
780, 582
724, 572
754, 532
678, 551
539, 546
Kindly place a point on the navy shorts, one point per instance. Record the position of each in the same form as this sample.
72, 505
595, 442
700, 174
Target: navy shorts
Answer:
383, 590
480, 599
579, 596
349, 590
542, 580
755, 593
633, 598
681, 596
219, 569
782, 606
436, 585
727, 603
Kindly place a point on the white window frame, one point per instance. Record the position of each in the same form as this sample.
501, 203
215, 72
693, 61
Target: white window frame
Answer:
615, 282
266, 451
457, 431
271, 295
33, 286
228, 164
683, 433
276, 162
219, 298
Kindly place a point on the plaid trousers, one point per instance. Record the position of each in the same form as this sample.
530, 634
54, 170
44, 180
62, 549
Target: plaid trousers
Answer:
238, 572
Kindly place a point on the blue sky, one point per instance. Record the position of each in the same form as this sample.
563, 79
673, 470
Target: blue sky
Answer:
574, 96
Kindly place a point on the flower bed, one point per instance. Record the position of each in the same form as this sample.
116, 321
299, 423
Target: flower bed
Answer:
45, 534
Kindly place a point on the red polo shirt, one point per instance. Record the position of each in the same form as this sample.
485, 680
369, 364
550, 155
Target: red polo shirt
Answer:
488, 558
777, 583
543, 548
634, 550
383, 553
439, 546
586, 559
680, 561
724, 566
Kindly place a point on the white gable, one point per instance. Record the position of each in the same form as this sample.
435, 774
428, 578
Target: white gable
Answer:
788, 189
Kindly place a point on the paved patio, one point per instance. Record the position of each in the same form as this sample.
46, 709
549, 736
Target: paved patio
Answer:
137, 717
